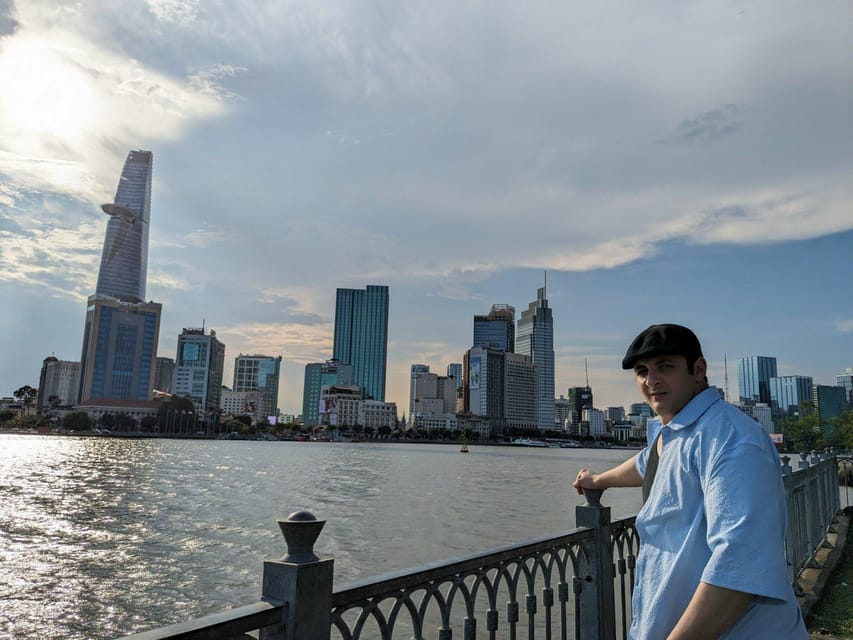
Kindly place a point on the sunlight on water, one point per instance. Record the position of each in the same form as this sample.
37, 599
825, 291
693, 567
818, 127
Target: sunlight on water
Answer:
101, 537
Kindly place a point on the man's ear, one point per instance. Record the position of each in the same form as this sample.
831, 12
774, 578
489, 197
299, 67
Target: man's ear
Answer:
700, 368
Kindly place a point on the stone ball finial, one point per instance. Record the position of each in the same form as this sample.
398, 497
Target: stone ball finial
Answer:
301, 530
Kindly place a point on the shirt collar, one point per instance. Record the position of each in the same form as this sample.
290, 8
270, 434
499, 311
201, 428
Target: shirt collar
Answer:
694, 409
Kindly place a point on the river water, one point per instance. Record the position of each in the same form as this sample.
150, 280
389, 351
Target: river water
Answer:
101, 537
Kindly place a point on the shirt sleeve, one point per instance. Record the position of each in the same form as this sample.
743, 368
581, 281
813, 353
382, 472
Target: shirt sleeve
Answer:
641, 461
745, 510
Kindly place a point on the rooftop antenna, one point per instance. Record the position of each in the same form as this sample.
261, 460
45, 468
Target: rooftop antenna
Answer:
726, 376
202, 325
586, 370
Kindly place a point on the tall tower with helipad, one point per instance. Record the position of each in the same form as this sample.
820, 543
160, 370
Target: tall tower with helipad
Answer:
122, 329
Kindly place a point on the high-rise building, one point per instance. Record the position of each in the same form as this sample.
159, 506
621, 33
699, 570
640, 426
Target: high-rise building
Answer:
485, 386
787, 395
414, 372
124, 260
361, 336
753, 379
534, 338
318, 375
454, 370
594, 422
434, 395
259, 373
845, 380
830, 402
580, 398
641, 409
59, 383
122, 331
496, 329
119, 350
199, 368
521, 400
164, 370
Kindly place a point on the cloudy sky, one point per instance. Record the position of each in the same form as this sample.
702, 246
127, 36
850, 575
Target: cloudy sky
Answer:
663, 161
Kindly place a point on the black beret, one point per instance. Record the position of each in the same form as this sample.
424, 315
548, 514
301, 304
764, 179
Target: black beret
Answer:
663, 339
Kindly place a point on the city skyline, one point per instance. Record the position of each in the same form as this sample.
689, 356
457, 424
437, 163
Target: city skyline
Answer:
664, 165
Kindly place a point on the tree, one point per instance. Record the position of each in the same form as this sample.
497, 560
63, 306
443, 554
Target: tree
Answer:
25, 395
6, 416
54, 401
148, 423
77, 421
107, 420
124, 422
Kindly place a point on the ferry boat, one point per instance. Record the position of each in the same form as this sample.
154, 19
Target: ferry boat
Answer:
529, 442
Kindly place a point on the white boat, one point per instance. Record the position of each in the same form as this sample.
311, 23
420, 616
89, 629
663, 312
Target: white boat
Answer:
529, 442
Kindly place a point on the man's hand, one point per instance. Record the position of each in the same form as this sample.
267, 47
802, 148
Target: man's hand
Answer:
625, 475
586, 479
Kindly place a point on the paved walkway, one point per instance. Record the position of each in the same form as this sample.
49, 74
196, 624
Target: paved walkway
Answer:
815, 582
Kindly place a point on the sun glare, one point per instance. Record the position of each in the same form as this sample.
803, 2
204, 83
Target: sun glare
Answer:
42, 93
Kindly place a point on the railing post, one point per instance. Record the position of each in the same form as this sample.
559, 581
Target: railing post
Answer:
786, 468
302, 581
804, 460
597, 609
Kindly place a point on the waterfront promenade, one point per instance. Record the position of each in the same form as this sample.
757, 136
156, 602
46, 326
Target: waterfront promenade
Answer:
101, 537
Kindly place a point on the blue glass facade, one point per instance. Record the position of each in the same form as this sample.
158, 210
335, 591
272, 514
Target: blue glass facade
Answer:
124, 260
121, 350
361, 336
496, 329
753, 379
787, 395
535, 339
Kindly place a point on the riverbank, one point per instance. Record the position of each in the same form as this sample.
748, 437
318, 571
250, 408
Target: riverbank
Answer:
828, 601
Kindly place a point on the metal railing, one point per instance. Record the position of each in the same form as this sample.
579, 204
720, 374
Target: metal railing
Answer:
812, 497
574, 585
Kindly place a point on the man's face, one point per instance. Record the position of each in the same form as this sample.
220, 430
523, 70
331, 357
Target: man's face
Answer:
666, 384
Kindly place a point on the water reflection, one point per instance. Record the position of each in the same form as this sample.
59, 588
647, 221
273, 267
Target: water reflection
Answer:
100, 537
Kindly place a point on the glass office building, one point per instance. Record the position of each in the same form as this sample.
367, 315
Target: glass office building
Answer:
787, 395
753, 379
261, 374
124, 260
199, 368
534, 338
496, 329
119, 350
361, 336
118, 360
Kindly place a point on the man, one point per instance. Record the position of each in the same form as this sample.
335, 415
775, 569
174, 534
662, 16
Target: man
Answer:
712, 559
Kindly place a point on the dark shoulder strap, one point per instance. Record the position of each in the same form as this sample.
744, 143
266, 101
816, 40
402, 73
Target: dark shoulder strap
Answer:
651, 469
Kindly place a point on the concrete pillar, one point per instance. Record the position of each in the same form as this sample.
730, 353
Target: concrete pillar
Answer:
597, 615
301, 580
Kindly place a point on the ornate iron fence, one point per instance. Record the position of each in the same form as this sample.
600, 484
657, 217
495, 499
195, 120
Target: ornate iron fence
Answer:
574, 585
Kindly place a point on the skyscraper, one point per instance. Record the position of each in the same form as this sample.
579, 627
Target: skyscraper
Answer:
59, 383
496, 329
124, 260
122, 331
361, 336
535, 339
787, 395
318, 375
199, 367
259, 373
414, 371
454, 370
753, 379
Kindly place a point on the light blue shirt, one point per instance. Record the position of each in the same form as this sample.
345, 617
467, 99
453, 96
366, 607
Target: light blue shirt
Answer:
715, 514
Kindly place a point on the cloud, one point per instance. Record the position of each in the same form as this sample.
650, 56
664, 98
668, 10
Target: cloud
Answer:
8, 24
181, 11
709, 126
844, 326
